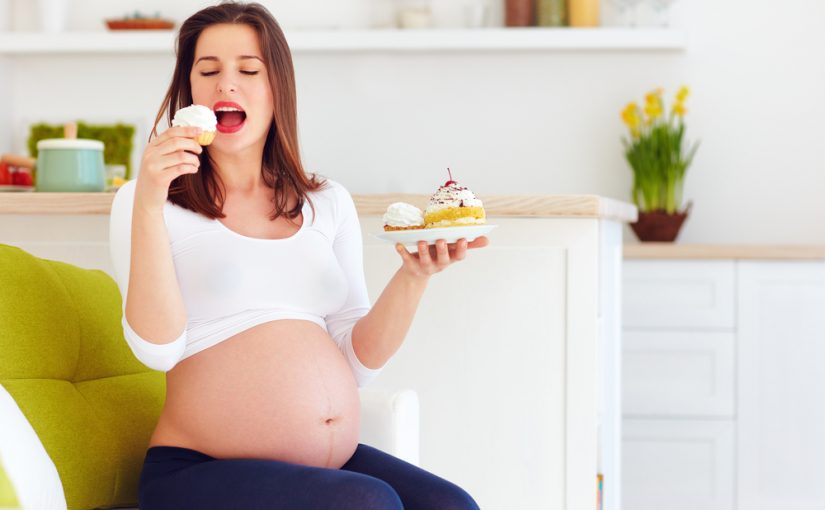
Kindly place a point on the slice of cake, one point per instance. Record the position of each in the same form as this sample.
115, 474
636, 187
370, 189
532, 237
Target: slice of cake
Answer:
454, 205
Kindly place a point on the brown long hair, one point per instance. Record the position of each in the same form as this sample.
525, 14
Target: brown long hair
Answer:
281, 169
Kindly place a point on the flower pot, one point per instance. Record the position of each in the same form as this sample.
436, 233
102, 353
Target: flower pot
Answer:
659, 226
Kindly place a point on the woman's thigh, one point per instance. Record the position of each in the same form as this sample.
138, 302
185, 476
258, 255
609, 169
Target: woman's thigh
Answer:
175, 478
418, 489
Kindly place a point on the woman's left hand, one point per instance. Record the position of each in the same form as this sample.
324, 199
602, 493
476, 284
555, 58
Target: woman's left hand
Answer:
431, 259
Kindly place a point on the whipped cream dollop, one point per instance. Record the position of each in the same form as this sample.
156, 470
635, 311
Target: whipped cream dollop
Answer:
196, 116
452, 195
402, 214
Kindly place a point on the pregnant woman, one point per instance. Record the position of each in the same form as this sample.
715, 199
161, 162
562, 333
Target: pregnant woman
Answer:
243, 280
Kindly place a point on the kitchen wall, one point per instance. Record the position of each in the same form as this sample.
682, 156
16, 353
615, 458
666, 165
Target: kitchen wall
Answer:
514, 122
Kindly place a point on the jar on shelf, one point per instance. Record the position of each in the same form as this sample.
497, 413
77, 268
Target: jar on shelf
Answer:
520, 13
551, 13
583, 13
414, 14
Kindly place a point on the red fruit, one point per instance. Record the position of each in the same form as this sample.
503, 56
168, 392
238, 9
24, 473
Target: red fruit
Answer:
5, 176
21, 179
451, 181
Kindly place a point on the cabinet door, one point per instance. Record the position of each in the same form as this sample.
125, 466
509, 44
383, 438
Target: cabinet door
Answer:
678, 373
677, 465
678, 294
781, 407
487, 355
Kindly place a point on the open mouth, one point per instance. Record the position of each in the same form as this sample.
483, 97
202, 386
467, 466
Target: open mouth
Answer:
231, 117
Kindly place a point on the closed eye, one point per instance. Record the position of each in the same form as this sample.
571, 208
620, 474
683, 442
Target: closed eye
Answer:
212, 73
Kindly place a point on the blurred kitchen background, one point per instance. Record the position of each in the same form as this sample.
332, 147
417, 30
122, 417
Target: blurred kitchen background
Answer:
530, 119
722, 333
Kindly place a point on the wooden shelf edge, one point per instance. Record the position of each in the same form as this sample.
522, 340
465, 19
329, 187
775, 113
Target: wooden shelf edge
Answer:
525, 206
55, 203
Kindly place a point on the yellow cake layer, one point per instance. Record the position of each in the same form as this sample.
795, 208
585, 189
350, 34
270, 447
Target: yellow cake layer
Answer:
454, 213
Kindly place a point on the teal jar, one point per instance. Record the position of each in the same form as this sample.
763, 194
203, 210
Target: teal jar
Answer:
65, 164
551, 13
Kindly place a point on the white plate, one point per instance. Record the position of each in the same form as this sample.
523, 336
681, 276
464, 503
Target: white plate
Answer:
449, 234
15, 187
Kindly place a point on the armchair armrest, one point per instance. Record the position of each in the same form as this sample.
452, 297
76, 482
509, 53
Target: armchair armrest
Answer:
389, 422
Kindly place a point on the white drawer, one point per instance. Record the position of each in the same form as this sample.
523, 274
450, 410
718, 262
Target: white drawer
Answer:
677, 465
678, 294
670, 373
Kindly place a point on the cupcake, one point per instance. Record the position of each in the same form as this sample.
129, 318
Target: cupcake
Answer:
198, 116
403, 216
453, 205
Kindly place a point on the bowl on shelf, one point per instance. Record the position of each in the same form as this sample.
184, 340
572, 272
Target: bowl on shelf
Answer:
140, 24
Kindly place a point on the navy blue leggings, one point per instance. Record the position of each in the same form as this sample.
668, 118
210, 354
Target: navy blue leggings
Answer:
177, 478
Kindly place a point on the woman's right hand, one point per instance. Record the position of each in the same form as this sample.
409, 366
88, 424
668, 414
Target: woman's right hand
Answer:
174, 153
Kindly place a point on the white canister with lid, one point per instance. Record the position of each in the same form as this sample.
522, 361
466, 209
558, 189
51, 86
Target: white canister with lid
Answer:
66, 164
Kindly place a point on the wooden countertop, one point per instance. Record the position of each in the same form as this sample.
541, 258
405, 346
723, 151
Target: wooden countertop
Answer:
536, 206
721, 251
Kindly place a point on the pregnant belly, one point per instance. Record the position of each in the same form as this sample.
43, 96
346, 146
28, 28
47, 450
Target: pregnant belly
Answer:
281, 390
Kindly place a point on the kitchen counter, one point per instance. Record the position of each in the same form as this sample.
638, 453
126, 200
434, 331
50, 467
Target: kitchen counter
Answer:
537, 206
722, 251
531, 323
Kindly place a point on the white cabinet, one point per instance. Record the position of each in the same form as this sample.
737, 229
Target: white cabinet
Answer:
723, 384
515, 355
678, 377
678, 464
781, 407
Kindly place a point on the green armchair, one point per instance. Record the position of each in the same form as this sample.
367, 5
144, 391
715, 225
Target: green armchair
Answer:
77, 407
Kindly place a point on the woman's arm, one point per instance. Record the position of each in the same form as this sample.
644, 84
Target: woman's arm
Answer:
154, 304
154, 315
379, 334
153, 318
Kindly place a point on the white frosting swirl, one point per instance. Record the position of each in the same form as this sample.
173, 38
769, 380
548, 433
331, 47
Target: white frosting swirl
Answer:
452, 195
196, 116
402, 214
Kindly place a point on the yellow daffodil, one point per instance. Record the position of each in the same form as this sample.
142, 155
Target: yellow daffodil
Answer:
656, 151
630, 116
653, 111
653, 105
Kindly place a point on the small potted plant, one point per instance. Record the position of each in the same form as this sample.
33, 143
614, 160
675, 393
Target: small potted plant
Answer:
659, 157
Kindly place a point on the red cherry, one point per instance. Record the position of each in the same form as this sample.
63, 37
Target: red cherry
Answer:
451, 181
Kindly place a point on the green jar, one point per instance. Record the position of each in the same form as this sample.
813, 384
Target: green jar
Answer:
70, 165
551, 13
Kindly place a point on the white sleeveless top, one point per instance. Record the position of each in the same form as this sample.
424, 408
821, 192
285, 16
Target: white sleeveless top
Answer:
231, 282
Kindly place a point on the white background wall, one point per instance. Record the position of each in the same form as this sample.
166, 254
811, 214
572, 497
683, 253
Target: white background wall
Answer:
512, 122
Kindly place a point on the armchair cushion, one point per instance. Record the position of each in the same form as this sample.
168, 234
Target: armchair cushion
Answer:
67, 369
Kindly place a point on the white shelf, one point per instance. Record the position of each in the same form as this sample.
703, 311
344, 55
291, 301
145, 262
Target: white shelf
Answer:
486, 39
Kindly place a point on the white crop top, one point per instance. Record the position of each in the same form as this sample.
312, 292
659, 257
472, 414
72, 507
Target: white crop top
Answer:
231, 282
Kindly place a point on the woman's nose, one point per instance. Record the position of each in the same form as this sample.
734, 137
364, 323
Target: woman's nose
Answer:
226, 86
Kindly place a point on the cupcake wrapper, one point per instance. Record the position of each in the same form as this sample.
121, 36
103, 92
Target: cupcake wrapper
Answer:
205, 138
